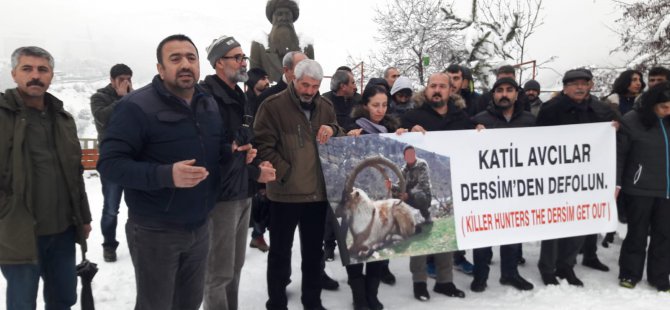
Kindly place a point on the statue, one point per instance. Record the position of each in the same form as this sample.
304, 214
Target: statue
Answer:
282, 39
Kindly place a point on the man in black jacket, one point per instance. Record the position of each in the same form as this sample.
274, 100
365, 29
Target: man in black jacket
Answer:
486, 99
343, 96
164, 145
228, 222
573, 106
506, 112
102, 105
437, 111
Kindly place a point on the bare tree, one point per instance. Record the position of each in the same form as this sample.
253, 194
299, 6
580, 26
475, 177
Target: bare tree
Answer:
644, 31
411, 30
496, 31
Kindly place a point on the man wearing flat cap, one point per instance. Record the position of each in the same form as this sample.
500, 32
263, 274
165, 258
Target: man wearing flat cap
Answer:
281, 40
229, 220
574, 105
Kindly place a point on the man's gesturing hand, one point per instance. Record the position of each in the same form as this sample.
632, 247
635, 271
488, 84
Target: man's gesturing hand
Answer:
185, 175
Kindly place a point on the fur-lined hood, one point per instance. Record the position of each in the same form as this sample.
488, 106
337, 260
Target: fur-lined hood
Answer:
419, 98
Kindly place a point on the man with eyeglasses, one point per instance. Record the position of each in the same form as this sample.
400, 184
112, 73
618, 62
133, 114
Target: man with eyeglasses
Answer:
574, 105
229, 220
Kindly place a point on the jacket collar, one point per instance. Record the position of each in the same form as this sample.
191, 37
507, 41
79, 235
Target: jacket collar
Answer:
14, 102
157, 84
222, 92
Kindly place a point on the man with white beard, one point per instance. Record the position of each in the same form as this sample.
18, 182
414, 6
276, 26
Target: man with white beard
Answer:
281, 40
229, 220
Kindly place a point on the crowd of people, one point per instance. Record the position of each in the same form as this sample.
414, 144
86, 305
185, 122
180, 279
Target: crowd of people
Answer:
201, 161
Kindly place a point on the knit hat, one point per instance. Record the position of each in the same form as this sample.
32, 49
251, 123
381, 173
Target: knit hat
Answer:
532, 84
220, 47
505, 80
577, 74
255, 75
467, 73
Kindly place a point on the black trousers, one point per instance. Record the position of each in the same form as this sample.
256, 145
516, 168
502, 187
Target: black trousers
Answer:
284, 218
509, 259
590, 247
559, 254
646, 216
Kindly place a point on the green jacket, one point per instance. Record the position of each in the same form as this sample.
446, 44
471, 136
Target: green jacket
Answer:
17, 225
102, 106
287, 139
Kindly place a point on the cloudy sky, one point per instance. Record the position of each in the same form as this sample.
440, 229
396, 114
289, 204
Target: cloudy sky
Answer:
102, 33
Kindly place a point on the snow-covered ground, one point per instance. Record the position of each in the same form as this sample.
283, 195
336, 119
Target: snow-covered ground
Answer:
114, 285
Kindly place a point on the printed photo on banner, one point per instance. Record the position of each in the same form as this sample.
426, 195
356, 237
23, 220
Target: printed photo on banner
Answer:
390, 198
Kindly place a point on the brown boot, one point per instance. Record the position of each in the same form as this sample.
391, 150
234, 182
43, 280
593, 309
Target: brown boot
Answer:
259, 243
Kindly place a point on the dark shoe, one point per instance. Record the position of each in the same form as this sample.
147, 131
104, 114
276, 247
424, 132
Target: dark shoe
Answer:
609, 238
109, 255
569, 274
595, 264
329, 253
627, 283
387, 276
549, 279
327, 283
259, 243
478, 285
371, 292
448, 289
518, 282
359, 293
421, 291
521, 261
465, 267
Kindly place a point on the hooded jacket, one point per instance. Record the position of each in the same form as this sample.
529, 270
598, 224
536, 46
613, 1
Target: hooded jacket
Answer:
425, 116
394, 108
18, 240
642, 157
150, 130
286, 138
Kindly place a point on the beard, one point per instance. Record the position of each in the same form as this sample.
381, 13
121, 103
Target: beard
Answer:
437, 104
283, 38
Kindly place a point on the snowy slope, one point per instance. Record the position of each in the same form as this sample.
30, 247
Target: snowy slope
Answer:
114, 285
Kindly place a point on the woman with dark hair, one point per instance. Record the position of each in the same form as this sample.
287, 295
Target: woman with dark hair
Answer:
625, 89
370, 118
643, 175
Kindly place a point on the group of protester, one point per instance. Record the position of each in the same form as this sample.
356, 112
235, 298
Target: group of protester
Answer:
189, 156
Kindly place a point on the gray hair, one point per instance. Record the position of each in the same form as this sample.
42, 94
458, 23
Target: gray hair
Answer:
340, 77
287, 61
386, 71
33, 51
309, 68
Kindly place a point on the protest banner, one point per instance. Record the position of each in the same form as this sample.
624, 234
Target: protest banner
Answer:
487, 188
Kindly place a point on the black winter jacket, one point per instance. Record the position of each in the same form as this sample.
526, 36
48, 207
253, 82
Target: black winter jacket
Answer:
642, 157
149, 131
561, 110
426, 117
238, 178
493, 118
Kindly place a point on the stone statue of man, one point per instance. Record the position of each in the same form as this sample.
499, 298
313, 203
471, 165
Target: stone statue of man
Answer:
282, 39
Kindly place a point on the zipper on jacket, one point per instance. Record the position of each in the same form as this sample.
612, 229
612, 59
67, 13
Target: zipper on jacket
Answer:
300, 141
667, 160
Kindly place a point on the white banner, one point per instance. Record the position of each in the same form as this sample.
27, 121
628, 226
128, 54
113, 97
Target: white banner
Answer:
525, 184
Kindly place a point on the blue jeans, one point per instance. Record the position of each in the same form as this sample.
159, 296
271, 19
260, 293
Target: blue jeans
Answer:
56, 266
111, 193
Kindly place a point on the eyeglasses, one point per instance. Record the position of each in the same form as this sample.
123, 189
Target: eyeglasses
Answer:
238, 58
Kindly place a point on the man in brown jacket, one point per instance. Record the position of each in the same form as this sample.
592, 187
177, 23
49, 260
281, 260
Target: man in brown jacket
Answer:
288, 127
43, 204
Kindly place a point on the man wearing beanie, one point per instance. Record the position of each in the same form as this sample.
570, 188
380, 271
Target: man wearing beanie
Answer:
506, 112
258, 82
573, 105
229, 220
532, 89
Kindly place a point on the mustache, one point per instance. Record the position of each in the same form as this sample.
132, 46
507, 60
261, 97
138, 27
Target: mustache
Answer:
35, 82
185, 71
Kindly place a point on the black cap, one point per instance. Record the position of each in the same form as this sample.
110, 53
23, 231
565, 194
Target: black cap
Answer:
467, 73
532, 84
505, 80
577, 74
255, 75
